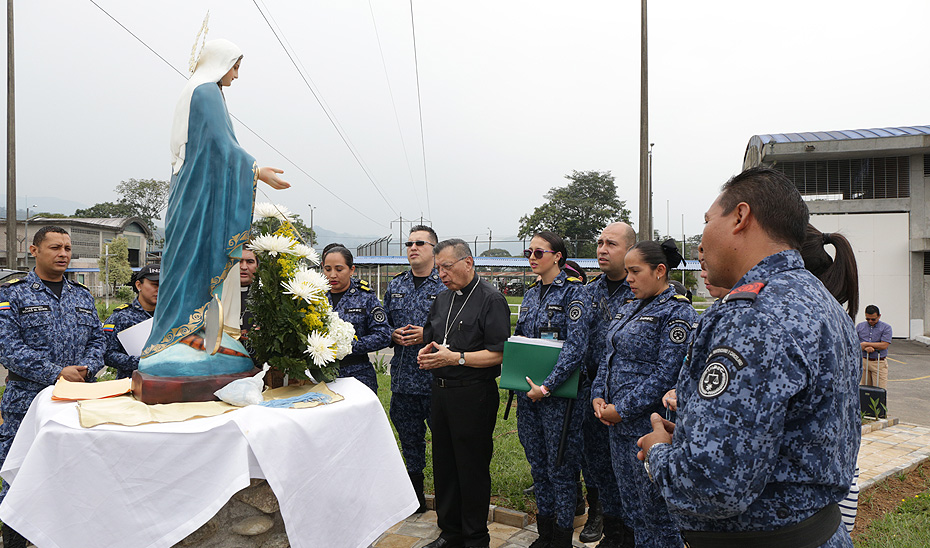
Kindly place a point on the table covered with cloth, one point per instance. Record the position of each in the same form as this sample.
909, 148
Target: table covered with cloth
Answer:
335, 469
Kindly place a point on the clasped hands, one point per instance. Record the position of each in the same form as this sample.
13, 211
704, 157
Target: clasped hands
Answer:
73, 373
407, 335
435, 355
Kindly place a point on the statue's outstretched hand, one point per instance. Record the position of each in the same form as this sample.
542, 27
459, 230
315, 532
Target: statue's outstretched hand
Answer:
269, 175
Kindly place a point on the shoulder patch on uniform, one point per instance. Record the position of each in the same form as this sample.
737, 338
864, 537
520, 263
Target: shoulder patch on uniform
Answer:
575, 310
628, 301
120, 307
574, 280
377, 314
532, 285
596, 278
727, 352
745, 292
363, 285
714, 380
401, 274
5, 305
681, 298
13, 282
679, 331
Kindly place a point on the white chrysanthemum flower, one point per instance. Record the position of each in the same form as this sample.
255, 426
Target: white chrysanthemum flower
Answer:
272, 244
265, 210
320, 348
314, 279
306, 252
343, 333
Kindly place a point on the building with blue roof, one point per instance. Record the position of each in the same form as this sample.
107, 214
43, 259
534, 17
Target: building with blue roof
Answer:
873, 186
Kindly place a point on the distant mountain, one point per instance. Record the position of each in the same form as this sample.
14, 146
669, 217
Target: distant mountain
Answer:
351, 241
44, 204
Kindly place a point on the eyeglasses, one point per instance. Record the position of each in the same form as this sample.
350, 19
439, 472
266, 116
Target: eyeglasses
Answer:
447, 267
418, 243
537, 253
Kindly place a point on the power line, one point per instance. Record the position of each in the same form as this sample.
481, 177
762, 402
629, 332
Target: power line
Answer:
387, 79
416, 66
329, 116
262, 139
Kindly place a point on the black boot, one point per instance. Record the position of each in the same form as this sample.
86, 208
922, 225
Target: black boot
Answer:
594, 526
417, 480
561, 538
616, 533
12, 539
544, 526
579, 499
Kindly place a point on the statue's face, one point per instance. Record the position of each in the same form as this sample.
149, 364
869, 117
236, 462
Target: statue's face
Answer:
233, 73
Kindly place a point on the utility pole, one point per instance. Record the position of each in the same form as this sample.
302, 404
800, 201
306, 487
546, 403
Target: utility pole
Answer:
645, 188
12, 250
312, 234
489, 241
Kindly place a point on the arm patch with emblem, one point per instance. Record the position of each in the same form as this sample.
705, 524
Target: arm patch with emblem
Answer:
575, 310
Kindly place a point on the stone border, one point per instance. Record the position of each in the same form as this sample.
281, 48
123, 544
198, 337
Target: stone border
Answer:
880, 424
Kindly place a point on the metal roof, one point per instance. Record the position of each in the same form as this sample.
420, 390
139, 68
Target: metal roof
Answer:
844, 135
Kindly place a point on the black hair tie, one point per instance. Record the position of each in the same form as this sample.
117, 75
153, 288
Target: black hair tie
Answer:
672, 255
827, 239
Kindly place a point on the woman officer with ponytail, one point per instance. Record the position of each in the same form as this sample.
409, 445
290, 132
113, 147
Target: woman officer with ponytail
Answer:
646, 343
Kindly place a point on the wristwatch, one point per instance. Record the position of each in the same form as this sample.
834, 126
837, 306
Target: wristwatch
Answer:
646, 461
461, 358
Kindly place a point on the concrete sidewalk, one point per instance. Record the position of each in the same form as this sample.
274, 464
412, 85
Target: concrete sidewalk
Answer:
888, 448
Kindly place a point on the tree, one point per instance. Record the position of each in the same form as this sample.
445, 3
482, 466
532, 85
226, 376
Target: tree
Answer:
309, 236
579, 210
49, 215
496, 252
116, 271
107, 210
146, 197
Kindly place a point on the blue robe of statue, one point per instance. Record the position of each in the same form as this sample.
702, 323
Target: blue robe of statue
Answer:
209, 214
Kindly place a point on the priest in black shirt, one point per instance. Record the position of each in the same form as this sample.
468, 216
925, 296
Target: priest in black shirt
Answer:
466, 329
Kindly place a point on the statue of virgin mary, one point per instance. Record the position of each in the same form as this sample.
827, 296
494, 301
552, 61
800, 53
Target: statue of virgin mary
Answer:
211, 196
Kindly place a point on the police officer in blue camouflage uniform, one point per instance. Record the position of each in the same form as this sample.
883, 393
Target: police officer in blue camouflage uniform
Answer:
407, 301
768, 411
49, 329
145, 284
355, 302
605, 295
552, 309
646, 344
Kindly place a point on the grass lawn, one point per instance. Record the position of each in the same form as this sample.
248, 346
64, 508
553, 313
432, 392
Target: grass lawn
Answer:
896, 513
510, 472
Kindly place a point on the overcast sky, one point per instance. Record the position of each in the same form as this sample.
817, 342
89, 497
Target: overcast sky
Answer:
514, 96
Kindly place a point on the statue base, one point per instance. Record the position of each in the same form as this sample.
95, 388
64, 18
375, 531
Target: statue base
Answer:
150, 389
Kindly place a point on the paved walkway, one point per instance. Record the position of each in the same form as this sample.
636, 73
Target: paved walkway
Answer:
887, 448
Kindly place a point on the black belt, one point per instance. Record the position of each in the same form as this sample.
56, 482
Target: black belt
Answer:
810, 533
455, 383
14, 377
354, 359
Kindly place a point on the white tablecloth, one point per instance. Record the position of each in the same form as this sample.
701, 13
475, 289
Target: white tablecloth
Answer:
335, 469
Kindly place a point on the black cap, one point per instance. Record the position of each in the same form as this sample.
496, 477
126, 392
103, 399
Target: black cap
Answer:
149, 271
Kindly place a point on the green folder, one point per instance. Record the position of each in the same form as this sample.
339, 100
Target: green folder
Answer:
534, 358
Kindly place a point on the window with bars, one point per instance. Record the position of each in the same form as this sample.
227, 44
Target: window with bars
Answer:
926, 263
85, 243
926, 165
852, 178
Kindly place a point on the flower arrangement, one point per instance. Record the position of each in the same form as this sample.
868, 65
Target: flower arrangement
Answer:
296, 331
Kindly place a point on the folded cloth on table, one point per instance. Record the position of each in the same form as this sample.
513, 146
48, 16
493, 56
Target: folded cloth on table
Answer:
67, 390
128, 411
